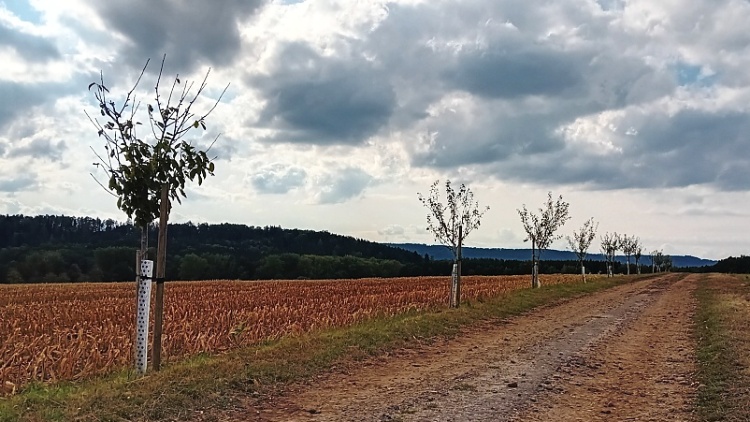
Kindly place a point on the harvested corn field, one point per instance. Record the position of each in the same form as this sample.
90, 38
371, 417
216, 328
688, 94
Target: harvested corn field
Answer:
72, 331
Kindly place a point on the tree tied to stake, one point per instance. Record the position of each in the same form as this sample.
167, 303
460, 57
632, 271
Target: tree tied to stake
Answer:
540, 229
146, 174
581, 241
452, 222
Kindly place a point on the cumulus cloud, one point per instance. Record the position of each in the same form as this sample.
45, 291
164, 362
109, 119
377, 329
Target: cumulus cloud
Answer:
278, 178
316, 99
30, 47
16, 99
192, 32
392, 230
343, 185
14, 185
37, 148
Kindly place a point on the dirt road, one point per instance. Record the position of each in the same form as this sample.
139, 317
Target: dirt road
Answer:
622, 354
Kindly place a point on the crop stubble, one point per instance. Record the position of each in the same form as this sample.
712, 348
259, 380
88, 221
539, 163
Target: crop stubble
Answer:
56, 332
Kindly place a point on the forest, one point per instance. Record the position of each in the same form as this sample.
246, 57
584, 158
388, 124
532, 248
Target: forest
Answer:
51, 248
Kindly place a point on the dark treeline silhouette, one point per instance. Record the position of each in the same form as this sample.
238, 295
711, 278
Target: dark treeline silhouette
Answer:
73, 249
735, 265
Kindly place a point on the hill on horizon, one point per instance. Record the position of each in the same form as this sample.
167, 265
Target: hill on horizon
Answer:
440, 252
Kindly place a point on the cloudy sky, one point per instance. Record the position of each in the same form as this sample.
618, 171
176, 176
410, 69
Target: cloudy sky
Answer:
340, 111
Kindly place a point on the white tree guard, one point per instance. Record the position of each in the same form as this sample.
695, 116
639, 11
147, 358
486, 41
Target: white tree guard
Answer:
454, 285
144, 306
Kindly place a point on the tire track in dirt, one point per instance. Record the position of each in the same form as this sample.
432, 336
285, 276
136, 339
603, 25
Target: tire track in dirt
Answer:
643, 373
518, 369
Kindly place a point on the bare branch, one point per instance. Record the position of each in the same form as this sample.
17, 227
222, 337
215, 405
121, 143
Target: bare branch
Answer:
459, 210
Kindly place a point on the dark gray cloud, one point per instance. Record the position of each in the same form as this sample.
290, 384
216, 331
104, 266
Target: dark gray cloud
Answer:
190, 32
691, 147
324, 100
278, 179
37, 148
348, 183
485, 136
32, 48
18, 184
16, 99
499, 73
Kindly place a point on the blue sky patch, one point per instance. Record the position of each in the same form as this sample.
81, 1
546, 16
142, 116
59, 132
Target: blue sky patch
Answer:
23, 10
688, 74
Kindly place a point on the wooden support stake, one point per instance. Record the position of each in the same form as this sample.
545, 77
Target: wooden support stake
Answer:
161, 258
458, 267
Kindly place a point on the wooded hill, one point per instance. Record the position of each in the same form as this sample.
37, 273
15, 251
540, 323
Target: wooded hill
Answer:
71, 249
438, 252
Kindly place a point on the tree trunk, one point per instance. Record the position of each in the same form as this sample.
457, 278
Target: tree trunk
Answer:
455, 294
161, 258
628, 264
534, 267
583, 272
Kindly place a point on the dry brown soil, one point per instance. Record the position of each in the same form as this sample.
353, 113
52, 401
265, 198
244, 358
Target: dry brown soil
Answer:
624, 354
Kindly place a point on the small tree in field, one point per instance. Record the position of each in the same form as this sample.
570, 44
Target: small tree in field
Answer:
451, 223
611, 243
540, 230
146, 172
581, 241
629, 246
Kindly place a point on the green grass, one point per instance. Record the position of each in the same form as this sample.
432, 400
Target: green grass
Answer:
721, 330
214, 382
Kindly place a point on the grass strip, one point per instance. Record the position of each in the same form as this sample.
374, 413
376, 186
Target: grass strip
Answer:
721, 330
182, 389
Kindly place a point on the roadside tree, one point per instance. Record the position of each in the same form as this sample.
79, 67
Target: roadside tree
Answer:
581, 241
146, 172
629, 246
540, 229
451, 222
611, 243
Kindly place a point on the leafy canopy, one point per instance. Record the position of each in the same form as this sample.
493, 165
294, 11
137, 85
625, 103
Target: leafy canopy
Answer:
137, 167
540, 228
444, 220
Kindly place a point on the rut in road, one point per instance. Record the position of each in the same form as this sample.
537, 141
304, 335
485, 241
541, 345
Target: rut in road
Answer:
563, 362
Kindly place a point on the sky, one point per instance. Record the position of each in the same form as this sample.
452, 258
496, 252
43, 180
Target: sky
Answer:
339, 112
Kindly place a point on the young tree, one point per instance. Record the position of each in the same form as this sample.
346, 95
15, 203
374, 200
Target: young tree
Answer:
638, 253
540, 229
451, 223
146, 173
667, 263
581, 241
629, 245
611, 243
661, 261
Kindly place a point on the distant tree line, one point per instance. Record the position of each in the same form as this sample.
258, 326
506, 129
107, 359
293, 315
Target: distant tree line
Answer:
730, 265
77, 249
